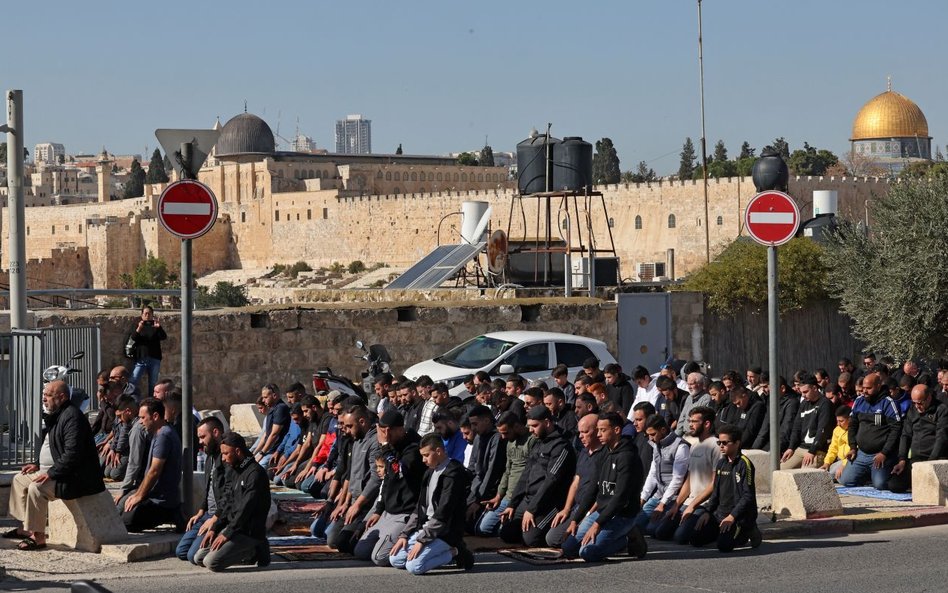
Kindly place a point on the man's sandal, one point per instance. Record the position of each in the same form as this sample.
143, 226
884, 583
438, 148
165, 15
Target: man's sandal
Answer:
30, 544
12, 534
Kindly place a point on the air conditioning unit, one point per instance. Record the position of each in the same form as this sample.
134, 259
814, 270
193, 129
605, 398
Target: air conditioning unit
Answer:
651, 271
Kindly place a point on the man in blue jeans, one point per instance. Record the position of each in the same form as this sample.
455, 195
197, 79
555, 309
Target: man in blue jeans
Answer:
210, 432
875, 427
147, 337
619, 481
434, 534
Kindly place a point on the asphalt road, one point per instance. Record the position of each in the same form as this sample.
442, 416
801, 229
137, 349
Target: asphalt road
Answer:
909, 560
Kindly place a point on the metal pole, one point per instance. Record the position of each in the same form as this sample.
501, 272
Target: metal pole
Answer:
187, 418
772, 346
568, 256
704, 143
17, 245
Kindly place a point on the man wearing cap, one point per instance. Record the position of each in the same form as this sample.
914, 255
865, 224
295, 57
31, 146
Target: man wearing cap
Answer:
543, 486
399, 491
67, 468
239, 534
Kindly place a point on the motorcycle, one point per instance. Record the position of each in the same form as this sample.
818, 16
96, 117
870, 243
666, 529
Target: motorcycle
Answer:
377, 361
77, 395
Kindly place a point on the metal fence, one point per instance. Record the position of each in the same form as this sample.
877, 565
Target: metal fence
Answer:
23, 357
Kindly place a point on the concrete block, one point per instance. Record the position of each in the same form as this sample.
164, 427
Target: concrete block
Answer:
761, 461
805, 494
6, 483
85, 523
217, 414
930, 482
245, 419
142, 546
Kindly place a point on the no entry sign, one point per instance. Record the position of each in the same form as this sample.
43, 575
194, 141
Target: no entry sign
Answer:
187, 209
772, 218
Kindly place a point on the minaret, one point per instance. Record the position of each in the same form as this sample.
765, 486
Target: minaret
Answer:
103, 170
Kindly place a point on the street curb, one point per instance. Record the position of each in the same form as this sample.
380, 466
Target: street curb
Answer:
861, 523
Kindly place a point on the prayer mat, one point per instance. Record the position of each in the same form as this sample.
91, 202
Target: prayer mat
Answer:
539, 556
300, 506
295, 540
310, 552
870, 492
290, 529
287, 493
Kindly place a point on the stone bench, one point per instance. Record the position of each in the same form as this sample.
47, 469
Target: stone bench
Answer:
85, 523
930, 483
805, 494
245, 419
761, 461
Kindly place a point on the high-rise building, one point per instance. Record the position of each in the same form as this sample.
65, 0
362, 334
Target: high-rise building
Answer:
354, 135
48, 153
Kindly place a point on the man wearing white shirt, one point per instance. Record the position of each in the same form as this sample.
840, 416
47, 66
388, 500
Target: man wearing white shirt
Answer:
645, 388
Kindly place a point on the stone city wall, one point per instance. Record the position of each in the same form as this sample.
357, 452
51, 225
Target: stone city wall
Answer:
236, 351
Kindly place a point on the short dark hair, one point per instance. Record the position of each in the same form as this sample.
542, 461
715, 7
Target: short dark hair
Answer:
382, 379
482, 376
613, 418
731, 431
432, 441
125, 402
480, 411
232, 439
612, 369
498, 383
424, 381
589, 399
534, 392
657, 422
154, 406
309, 400
706, 413
443, 414
359, 411
560, 370
755, 370
663, 382
212, 423
440, 387
272, 388
718, 385
296, 388
517, 380
843, 410
557, 393
646, 407
510, 418
640, 372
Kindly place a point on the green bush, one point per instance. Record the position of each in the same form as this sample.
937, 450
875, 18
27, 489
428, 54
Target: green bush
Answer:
300, 266
356, 267
225, 294
337, 268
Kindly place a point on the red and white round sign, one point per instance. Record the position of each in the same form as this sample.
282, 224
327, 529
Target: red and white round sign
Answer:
772, 218
187, 209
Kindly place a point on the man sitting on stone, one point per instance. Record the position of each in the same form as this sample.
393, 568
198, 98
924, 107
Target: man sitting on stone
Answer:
158, 499
488, 461
924, 436
403, 471
541, 490
239, 535
812, 428
732, 509
434, 534
210, 434
67, 468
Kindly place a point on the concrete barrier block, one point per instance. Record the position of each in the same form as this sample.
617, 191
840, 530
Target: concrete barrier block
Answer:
6, 484
217, 414
245, 419
930, 483
85, 523
805, 494
761, 461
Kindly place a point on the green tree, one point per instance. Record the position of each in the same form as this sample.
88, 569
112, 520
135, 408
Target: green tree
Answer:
737, 278
745, 166
643, 173
152, 273
891, 279
746, 151
467, 158
3, 153
720, 153
486, 158
810, 161
606, 163
780, 145
686, 168
718, 169
156, 169
135, 184
399, 149
225, 294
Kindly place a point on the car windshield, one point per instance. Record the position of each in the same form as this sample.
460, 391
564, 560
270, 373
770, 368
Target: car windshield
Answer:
475, 353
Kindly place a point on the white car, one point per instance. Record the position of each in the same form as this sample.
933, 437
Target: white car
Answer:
530, 354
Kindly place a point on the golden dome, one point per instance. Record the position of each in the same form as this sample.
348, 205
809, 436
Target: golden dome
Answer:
890, 115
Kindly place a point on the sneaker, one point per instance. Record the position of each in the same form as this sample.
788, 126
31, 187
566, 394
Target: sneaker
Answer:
262, 554
465, 558
754, 536
638, 547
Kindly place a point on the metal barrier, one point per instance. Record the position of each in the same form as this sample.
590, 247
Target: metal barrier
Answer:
23, 357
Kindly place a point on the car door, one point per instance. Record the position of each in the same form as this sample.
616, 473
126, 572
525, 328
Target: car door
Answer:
530, 361
572, 355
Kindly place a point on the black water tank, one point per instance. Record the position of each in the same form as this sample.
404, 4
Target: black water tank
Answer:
770, 171
572, 165
532, 164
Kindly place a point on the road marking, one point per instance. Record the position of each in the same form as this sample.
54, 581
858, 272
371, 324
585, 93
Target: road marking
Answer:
772, 217
186, 208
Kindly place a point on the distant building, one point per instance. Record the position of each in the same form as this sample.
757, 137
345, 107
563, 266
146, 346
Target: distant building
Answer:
48, 153
354, 135
890, 132
302, 144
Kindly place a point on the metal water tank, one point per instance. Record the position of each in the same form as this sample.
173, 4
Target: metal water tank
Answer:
572, 165
532, 164
825, 201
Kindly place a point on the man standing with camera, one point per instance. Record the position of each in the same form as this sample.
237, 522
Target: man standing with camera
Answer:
144, 346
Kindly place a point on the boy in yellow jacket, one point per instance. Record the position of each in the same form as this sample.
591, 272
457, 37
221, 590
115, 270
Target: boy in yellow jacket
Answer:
835, 459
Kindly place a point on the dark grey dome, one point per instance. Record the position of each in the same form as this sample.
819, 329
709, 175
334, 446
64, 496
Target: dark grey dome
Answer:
245, 133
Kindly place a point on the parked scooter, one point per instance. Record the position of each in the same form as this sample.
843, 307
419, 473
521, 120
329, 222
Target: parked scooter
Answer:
377, 361
78, 395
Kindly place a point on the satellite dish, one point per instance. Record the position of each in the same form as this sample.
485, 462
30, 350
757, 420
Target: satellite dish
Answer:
497, 252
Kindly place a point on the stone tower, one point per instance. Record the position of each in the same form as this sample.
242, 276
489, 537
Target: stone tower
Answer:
103, 170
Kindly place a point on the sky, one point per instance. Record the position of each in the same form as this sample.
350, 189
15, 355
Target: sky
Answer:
440, 76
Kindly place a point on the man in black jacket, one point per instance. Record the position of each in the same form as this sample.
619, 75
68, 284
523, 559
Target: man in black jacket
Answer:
435, 531
147, 336
210, 431
239, 536
403, 470
747, 412
488, 462
619, 387
924, 434
68, 467
812, 428
789, 407
542, 488
616, 498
